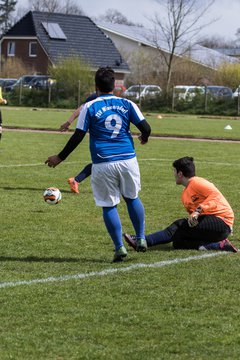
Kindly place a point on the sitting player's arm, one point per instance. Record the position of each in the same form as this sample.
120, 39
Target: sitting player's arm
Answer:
72, 143
66, 125
145, 129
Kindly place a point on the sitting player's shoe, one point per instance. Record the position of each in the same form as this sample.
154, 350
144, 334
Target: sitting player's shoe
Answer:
73, 185
226, 245
141, 245
131, 240
120, 254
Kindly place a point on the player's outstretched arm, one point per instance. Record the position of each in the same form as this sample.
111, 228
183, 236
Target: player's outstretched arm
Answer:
65, 126
72, 143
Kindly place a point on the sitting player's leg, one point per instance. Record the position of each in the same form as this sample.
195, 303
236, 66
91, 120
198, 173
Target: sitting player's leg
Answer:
160, 237
210, 234
74, 182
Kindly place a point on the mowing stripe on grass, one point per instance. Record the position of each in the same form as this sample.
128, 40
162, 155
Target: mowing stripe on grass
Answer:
108, 271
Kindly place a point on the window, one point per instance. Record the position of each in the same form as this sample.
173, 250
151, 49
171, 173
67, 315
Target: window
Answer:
33, 49
11, 48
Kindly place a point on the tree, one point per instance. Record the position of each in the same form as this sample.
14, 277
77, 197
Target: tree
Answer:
174, 34
228, 75
71, 7
116, 17
145, 67
53, 6
216, 42
44, 5
7, 7
72, 75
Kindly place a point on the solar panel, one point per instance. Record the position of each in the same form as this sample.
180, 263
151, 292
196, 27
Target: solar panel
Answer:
54, 31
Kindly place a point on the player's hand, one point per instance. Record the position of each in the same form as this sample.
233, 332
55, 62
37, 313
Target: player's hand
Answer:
5, 101
141, 140
53, 161
193, 218
65, 126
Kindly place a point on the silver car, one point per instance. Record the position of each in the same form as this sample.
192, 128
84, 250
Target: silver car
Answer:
142, 91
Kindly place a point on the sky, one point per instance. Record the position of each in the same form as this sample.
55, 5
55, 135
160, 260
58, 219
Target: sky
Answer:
227, 13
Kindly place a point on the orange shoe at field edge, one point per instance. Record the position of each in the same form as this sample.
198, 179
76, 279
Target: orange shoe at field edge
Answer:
73, 185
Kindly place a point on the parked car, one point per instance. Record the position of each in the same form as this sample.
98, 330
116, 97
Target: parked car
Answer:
4, 82
219, 92
23, 81
142, 91
41, 82
188, 92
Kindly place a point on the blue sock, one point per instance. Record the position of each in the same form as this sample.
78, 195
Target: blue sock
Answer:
113, 225
212, 246
84, 173
137, 216
160, 237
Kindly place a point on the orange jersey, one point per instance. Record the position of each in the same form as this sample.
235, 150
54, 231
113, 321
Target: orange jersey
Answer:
201, 192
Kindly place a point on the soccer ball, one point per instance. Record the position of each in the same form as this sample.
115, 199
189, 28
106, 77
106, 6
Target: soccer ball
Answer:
52, 195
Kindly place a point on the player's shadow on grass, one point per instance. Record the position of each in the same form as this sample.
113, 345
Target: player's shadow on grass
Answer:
50, 259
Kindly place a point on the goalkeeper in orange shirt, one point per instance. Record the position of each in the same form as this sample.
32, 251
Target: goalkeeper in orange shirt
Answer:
210, 219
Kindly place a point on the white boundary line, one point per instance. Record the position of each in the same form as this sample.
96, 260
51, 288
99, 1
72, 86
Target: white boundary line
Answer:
39, 164
108, 271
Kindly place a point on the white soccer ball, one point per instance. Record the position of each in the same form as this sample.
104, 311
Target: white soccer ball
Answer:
52, 195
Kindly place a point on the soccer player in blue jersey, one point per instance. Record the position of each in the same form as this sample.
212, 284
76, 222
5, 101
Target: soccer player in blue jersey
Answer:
115, 170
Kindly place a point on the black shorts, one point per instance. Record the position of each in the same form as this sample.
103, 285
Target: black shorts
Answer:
209, 229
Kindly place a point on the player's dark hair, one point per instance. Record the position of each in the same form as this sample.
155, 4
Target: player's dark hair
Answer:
185, 165
105, 79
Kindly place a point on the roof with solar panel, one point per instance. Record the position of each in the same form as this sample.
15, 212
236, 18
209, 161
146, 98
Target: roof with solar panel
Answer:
64, 35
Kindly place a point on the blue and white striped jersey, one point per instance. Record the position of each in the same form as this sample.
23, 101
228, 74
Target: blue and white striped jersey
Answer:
108, 119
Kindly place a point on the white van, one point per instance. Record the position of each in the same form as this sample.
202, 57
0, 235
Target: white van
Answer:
186, 92
144, 90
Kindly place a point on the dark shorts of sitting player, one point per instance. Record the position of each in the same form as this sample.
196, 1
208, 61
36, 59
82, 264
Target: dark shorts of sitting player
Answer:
210, 229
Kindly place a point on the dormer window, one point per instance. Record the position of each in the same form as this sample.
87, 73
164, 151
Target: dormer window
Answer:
11, 48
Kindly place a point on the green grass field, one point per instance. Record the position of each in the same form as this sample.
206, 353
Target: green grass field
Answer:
179, 125
62, 298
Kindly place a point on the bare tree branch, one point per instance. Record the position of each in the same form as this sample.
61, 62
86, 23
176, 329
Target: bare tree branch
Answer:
53, 6
174, 33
